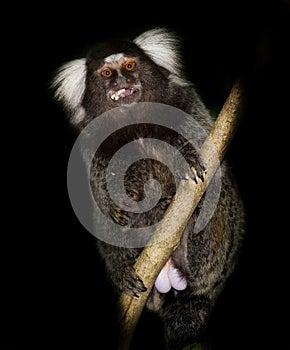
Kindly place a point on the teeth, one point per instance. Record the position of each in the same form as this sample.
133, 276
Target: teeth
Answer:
118, 94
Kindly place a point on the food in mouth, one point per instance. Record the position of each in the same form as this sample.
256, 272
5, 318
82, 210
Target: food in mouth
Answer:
122, 93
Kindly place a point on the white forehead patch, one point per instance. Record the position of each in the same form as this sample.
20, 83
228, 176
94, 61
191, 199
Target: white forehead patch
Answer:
113, 58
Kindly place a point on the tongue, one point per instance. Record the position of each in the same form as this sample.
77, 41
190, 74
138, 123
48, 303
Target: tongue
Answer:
128, 92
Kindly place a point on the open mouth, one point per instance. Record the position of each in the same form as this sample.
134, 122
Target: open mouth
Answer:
122, 93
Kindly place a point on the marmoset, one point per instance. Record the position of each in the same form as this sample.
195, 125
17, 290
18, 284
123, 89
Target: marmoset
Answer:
148, 69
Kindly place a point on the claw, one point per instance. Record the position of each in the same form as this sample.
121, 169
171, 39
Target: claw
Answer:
133, 284
120, 217
198, 174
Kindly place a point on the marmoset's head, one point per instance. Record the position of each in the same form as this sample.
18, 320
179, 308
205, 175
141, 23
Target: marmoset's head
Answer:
120, 72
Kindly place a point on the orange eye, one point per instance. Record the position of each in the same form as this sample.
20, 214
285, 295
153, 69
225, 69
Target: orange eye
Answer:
107, 72
130, 66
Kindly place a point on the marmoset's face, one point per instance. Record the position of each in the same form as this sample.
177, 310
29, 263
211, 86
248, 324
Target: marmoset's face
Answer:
120, 76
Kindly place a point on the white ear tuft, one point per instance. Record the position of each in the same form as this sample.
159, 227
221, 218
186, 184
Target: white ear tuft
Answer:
161, 46
69, 84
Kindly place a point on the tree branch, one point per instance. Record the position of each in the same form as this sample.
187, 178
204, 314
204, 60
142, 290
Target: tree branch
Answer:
157, 252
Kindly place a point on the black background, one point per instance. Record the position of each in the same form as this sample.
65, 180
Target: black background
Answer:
53, 288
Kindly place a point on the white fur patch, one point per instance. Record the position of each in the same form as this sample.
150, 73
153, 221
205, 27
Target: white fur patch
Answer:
78, 115
114, 58
69, 83
162, 47
178, 80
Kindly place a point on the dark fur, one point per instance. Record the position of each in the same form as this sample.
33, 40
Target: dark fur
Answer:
206, 259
